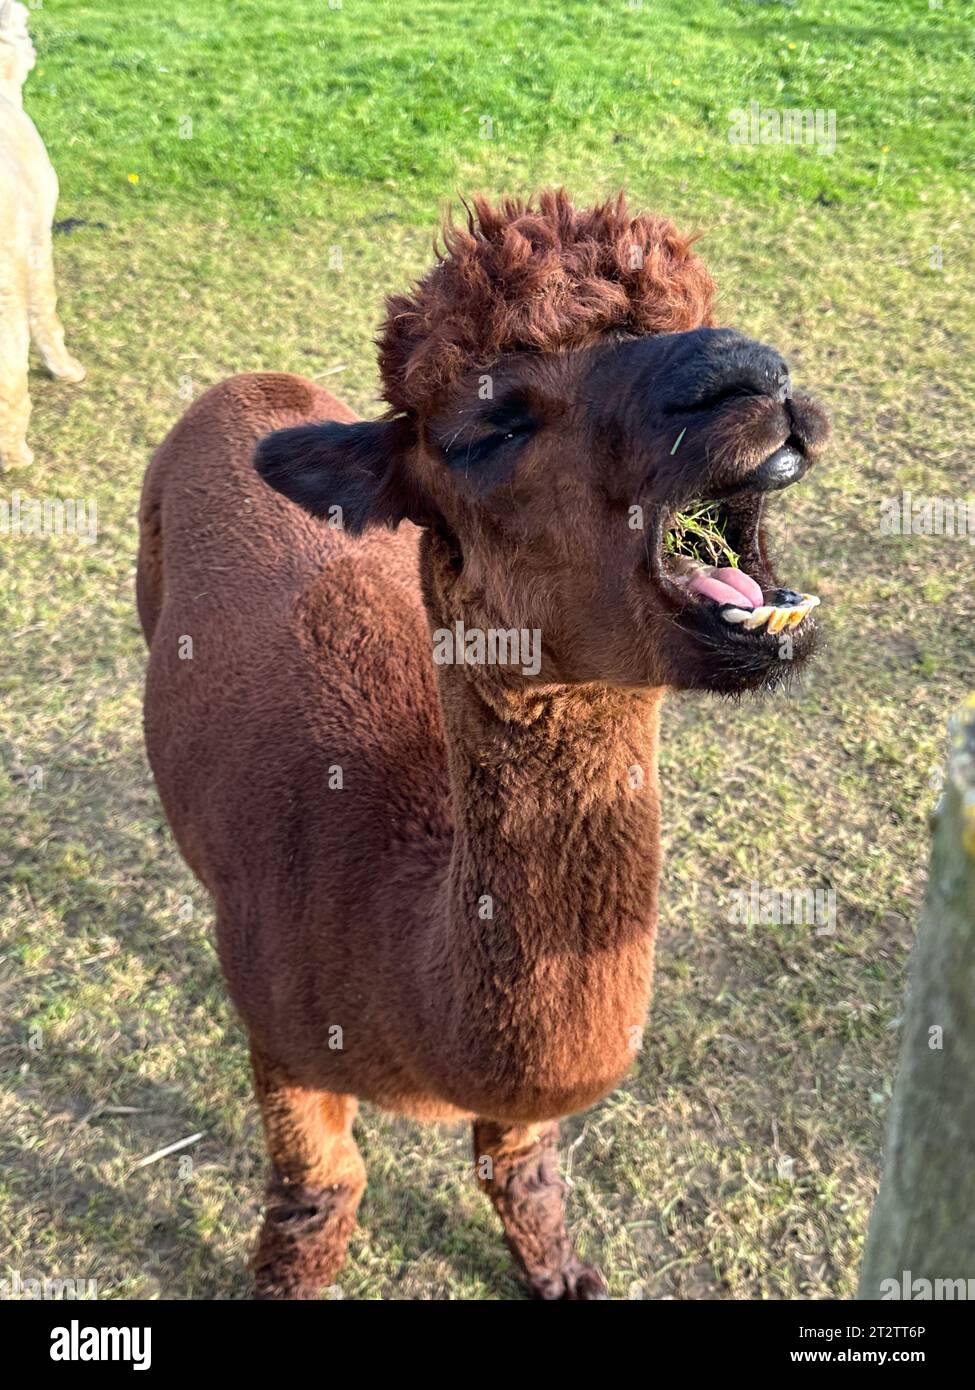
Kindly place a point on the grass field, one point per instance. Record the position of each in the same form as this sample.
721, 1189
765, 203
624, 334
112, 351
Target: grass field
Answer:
249, 179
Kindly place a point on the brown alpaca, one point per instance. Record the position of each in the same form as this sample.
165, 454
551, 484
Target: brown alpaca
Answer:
436, 881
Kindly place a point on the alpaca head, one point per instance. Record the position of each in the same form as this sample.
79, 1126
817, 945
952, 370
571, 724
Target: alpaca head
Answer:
589, 457
17, 55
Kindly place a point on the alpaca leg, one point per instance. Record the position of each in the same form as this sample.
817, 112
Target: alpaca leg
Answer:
14, 346
317, 1178
518, 1167
45, 326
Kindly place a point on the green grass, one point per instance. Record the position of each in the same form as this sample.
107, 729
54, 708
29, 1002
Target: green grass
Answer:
317, 132
301, 109
698, 532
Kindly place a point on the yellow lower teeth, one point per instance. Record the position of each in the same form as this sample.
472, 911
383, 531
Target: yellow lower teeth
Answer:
776, 618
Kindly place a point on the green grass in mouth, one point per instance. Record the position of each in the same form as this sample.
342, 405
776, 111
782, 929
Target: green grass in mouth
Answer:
698, 533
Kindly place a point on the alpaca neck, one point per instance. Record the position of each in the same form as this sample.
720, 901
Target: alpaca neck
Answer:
12, 90
16, 63
549, 906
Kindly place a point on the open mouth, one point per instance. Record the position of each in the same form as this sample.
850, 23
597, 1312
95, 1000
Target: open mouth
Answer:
710, 557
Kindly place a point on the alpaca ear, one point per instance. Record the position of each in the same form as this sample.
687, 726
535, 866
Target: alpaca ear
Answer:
361, 469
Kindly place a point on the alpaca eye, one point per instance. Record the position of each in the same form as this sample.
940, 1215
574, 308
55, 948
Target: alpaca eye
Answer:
516, 431
512, 435
464, 452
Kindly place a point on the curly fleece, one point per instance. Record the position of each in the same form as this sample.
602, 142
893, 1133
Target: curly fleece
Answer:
540, 277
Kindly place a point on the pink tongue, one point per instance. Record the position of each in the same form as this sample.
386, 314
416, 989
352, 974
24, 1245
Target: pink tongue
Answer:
727, 585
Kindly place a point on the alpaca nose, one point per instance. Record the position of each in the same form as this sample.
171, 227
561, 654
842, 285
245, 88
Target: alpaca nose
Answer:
714, 365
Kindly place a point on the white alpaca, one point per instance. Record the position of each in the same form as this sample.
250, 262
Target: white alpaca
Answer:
28, 196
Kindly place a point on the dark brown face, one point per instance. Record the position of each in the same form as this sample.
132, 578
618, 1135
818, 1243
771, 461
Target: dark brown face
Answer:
610, 499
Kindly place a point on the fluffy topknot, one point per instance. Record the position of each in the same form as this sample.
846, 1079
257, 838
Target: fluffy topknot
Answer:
539, 276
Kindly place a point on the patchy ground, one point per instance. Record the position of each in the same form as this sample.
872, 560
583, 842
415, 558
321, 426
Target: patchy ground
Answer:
741, 1157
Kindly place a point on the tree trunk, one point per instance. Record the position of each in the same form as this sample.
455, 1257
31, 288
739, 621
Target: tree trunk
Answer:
923, 1223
